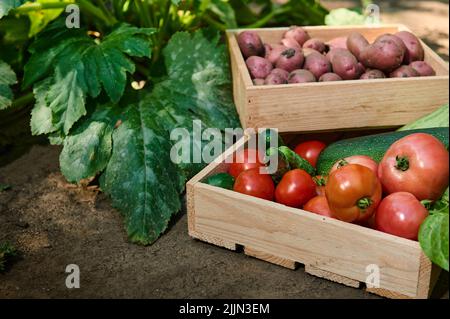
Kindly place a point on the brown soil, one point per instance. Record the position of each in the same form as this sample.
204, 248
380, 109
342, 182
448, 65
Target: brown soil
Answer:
54, 224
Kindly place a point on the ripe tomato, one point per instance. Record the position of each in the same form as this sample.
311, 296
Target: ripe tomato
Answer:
295, 188
353, 193
252, 182
244, 160
357, 159
320, 181
417, 164
318, 205
310, 150
400, 214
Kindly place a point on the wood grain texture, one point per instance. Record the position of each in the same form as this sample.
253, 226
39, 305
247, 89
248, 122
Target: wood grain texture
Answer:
323, 106
287, 263
310, 269
307, 238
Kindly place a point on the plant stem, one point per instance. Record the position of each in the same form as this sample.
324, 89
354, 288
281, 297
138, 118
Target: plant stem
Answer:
36, 6
214, 23
106, 12
264, 20
162, 31
95, 11
23, 100
364, 203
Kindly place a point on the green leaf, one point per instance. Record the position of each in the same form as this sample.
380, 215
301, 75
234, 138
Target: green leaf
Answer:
7, 5
344, 16
7, 78
224, 11
66, 99
140, 177
87, 149
75, 66
433, 237
41, 115
142, 180
39, 19
6, 252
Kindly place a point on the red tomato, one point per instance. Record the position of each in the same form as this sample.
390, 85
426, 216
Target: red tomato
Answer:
353, 193
318, 205
310, 150
400, 214
295, 188
417, 164
357, 159
243, 161
252, 182
320, 181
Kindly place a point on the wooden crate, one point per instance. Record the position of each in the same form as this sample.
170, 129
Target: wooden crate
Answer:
285, 236
307, 107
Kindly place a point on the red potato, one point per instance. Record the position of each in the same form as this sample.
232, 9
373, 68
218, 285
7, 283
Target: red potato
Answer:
301, 76
346, 65
333, 52
337, 43
384, 55
317, 64
283, 73
250, 44
315, 44
329, 77
258, 67
290, 59
275, 79
291, 43
360, 68
405, 71
308, 51
423, 68
414, 49
372, 74
297, 34
356, 43
388, 36
275, 53
258, 82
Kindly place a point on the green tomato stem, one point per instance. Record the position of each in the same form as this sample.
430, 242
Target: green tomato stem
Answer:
342, 163
402, 163
364, 203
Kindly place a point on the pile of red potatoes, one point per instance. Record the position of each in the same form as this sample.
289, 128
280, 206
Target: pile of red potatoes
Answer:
298, 58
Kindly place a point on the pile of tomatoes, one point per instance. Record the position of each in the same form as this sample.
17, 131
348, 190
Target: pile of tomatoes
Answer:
388, 196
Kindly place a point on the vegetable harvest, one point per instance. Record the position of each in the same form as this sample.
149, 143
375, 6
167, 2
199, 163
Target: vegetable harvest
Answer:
394, 182
345, 58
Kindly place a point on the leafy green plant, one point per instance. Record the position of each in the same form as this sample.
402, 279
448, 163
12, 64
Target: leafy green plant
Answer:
82, 86
433, 233
6, 252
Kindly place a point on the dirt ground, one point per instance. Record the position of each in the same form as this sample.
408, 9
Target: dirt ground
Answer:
54, 225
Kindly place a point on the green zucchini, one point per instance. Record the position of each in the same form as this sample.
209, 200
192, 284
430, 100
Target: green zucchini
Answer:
438, 118
223, 180
372, 145
288, 159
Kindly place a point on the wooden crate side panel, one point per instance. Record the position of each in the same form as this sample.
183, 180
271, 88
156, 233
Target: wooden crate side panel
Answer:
287, 263
331, 276
241, 78
330, 245
378, 102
